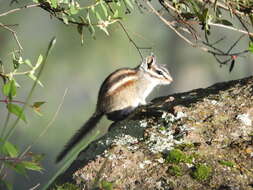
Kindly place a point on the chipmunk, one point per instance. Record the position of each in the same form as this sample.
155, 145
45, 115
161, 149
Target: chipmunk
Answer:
121, 92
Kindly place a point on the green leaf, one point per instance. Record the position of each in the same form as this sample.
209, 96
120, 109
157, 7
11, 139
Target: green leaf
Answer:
10, 149
9, 89
28, 63
16, 110
39, 61
93, 9
80, 31
103, 5
54, 3
73, 9
34, 78
129, 3
90, 27
17, 167
98, 16
251, 47
31, 166
116, 14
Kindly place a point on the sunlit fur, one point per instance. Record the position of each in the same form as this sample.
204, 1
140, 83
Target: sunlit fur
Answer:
130, 87
121, 92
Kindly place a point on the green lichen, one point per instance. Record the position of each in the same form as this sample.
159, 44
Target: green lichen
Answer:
175, 170
176, 156
227, 163
66, 186
201, 172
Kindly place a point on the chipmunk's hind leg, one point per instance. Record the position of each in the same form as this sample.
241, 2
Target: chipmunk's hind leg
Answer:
120, 114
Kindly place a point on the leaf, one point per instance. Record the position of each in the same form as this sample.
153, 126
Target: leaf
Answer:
17, 167
232, 65
36, 107
80, 31
28, 63
90, 27
65, 19
10, 149
103, 5
31, 166
39, 61
54, 3
98, 16
15, 63
251, 47
116, 14
16, 110
9, 89
129, 3
73, 9
38, 157
34, 78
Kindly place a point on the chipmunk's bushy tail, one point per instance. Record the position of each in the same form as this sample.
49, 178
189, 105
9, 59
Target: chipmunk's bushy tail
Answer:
86, 128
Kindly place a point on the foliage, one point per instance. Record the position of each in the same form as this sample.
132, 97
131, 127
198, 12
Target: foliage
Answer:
11, 158
101, 14
194, 22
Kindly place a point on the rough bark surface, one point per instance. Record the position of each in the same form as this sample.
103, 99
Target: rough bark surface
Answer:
196, 140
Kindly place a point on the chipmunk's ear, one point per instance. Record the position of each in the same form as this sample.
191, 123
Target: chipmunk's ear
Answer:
149, 61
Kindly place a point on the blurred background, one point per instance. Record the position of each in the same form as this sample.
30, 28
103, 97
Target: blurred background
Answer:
82, 69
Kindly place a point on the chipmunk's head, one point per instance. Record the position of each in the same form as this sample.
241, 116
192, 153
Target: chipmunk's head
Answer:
156, 72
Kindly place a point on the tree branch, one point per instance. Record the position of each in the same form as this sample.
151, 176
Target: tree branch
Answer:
13, 33
19, 8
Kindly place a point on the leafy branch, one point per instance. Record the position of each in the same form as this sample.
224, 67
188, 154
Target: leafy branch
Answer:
189, 18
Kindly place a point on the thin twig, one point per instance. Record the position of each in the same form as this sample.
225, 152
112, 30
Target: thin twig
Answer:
169, 24
13, 101
235, 43
11, 159
20, 8
128, 36
47, 126
13, 33
35, 187
231, 28
131, 40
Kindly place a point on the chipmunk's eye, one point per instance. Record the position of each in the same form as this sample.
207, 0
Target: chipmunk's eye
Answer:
159, 72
